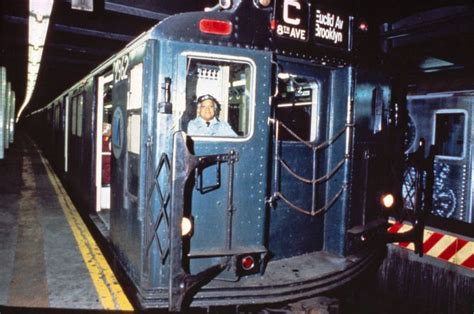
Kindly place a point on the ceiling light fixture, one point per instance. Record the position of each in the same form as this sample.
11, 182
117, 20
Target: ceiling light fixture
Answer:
38, 22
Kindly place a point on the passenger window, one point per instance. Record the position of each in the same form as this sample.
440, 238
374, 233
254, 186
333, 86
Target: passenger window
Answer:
218, 98
297, 108
134, 108
80, 104
449, 133
74, 115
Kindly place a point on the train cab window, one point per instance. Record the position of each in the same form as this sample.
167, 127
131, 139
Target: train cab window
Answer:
450, 133
296, 108
218, 98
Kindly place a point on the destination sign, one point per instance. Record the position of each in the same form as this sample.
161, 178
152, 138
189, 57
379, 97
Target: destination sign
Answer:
331, 29
299, 20
292, 19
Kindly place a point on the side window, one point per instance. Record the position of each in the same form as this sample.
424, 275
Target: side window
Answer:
296, 108
74, 115
218, 98
56, 116
450, 132
80, 104
134, 108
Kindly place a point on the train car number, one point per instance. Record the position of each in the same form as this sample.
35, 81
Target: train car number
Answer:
121, 67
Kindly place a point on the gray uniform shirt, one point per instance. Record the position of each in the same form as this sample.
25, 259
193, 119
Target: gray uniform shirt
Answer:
199, 127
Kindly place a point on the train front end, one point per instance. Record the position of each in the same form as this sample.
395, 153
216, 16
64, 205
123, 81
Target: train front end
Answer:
280, 202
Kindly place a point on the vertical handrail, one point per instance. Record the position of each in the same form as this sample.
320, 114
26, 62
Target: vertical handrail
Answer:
276, 157
313, 183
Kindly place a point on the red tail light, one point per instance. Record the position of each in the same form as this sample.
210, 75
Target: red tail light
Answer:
216, 27
248, 262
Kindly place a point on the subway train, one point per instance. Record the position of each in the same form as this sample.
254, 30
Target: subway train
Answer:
284, 205
440, 108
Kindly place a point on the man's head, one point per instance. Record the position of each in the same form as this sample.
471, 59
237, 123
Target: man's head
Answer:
207, 107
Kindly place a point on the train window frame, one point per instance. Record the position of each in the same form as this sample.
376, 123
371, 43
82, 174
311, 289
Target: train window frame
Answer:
433, 139
134, 109
133, 134
184, 60
315, 105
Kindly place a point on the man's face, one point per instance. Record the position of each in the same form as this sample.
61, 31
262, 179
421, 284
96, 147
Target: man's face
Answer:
207, 109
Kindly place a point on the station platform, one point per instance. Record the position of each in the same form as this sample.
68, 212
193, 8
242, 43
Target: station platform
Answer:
48, 258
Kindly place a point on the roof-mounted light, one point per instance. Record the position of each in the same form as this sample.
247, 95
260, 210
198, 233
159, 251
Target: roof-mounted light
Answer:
216, 27
225, 4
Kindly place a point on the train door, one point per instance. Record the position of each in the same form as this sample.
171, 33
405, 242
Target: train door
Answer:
125, 146
75, 138
103, 145
226, 116
446, 122
309, 159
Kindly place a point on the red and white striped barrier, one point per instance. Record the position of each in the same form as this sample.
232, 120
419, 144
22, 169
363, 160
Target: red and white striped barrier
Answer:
453, 249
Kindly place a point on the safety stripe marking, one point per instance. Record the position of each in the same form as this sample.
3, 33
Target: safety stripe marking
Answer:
451, 250
463, 253
433, 238
469, 262
442, 246
108, 289
395, 227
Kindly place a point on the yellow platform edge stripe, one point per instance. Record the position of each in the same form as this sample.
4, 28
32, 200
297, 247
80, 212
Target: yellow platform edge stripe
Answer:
111, 294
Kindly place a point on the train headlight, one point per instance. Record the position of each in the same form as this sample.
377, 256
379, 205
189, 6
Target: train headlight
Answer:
186, 226
387, 200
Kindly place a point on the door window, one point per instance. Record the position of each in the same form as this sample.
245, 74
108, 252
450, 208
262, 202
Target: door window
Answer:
450, 133
296, 108
134, 106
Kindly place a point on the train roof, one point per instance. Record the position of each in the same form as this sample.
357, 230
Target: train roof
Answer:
317, 33
310, 31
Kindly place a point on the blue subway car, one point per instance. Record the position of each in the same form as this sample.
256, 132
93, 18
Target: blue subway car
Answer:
440, 110
235, 156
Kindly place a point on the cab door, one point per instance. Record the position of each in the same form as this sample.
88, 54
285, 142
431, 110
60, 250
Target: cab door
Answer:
226, 198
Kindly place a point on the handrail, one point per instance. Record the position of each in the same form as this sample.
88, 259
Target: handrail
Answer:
312, 145
313, 212
319, 180
278, 195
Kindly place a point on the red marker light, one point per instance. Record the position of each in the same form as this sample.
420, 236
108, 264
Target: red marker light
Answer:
273, 24
216, 27
248, 262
